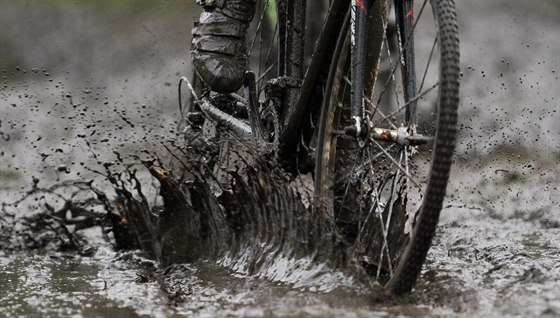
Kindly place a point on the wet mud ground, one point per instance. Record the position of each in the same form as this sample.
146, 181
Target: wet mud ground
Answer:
106, 74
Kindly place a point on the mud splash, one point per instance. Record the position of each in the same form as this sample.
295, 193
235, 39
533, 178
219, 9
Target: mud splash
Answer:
243, 213
250, 219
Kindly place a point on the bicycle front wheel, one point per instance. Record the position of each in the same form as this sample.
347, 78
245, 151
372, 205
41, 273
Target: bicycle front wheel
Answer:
386, 196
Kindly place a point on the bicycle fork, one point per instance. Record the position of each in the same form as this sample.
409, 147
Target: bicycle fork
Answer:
360, 126
358, 26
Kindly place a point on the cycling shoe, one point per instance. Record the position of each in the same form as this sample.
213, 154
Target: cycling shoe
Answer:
218, 43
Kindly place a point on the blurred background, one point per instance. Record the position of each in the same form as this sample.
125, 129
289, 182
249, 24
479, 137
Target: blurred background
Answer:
123, 57
106, 72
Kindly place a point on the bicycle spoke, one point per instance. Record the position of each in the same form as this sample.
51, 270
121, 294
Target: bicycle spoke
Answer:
384, 236
259, 28
390, 213
428, 65
392, 76
408, 103
400, 51
396, 163
369, 161
385, 227
407, 186
393, 190
261, 76
376, 108
266, 72
375, 205
347, 186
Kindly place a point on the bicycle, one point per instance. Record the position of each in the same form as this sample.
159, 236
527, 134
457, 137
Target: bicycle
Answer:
380, 166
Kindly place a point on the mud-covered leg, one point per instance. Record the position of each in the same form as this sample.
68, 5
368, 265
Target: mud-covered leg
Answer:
219, 45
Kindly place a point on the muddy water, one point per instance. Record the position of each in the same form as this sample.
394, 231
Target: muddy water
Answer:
107, 74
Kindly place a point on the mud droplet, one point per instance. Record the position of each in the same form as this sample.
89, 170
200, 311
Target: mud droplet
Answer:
63, 168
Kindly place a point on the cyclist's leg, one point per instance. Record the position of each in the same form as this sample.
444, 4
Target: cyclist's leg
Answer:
218, 43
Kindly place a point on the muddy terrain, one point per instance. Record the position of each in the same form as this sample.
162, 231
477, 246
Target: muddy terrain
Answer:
85, 83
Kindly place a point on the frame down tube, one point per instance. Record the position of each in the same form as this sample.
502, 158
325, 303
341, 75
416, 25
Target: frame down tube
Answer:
293, 23
295, 114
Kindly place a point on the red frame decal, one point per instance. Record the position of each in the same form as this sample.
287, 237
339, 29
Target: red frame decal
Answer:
361, 5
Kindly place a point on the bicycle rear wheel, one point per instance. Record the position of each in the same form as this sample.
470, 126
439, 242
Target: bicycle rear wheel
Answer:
387, 197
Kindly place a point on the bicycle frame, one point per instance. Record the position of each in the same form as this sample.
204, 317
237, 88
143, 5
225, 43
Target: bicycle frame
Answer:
297, 104
294, 98
303, 94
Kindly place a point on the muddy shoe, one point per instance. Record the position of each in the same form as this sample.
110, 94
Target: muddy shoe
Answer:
218, 44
